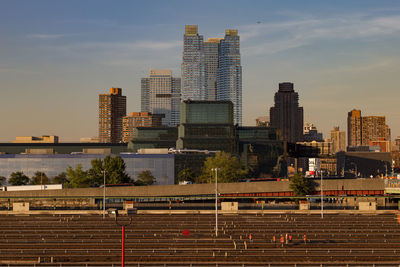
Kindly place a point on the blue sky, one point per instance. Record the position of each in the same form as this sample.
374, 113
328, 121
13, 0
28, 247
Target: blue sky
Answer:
57, 56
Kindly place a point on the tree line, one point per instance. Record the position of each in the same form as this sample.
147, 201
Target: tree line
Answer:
112, 167
229, 170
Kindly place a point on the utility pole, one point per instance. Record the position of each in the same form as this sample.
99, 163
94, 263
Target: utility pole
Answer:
104, 194
216, 200
322, 198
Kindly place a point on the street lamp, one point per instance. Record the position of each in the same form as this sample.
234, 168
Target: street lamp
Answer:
216, 200
322, 199
104, 193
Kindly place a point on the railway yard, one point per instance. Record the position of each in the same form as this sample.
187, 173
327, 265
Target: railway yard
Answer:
337, 239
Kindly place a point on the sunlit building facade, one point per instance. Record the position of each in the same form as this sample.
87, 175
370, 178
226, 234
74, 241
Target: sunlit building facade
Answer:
112, 107
161, 95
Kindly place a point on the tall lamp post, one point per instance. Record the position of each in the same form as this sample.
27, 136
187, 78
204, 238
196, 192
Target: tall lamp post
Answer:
104, 193
322, 198
216, 200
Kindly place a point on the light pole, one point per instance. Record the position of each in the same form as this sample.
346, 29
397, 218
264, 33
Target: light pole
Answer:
322, 198
216, 200
104, 193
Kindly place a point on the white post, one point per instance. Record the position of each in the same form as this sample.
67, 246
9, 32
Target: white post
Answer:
216, 202
322, 198
104, 195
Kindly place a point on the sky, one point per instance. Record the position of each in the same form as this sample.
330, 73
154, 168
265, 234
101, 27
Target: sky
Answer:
57, 56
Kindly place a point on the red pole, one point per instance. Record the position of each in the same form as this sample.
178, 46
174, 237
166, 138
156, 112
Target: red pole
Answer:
123, 247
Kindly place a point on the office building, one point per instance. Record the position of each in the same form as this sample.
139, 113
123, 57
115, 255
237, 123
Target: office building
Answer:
229, 74
206, 125
286, 115
112, 107
338, 139
161, 95
310, 133
139, 119
194, 79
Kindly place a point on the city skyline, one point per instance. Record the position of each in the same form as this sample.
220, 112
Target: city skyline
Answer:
57, 57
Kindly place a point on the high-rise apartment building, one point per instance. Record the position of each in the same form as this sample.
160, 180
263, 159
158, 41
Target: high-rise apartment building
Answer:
112, 107
194, 77
338, 139
211, 70
139, 119
229, 74
373, 128
354, 130
211, 52
161, 95
368, 131
286, 115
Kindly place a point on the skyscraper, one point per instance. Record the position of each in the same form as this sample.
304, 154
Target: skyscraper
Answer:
161, 95
211, 48
354, 128
229, 74
286, 115
112, 107
338, 139
194, 77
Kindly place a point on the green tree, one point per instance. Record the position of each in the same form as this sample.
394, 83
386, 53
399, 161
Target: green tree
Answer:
300, 185
78, 177
39, 178
186, 174
61, 179
2, 180
230, 169
18, 178
145, 178
114, 168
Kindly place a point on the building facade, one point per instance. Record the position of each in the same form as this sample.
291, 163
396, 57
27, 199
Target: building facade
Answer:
139, 119
338, 139
112, 107
354, 130
211, 70
368, 131
194, 79
311, 133
33, 139
161, 95
161, 166
211, 52
206, 125
229, 74
286, 115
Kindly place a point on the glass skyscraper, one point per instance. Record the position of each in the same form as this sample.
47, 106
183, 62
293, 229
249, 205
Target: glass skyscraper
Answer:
211, 69
161, 95
229, 74
193, 65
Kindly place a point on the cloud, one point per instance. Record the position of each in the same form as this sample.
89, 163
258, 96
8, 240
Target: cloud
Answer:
48, 36
275, 37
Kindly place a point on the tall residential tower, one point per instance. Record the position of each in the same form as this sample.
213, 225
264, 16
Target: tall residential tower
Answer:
229, 74
211, 70
112, 107
193, 65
